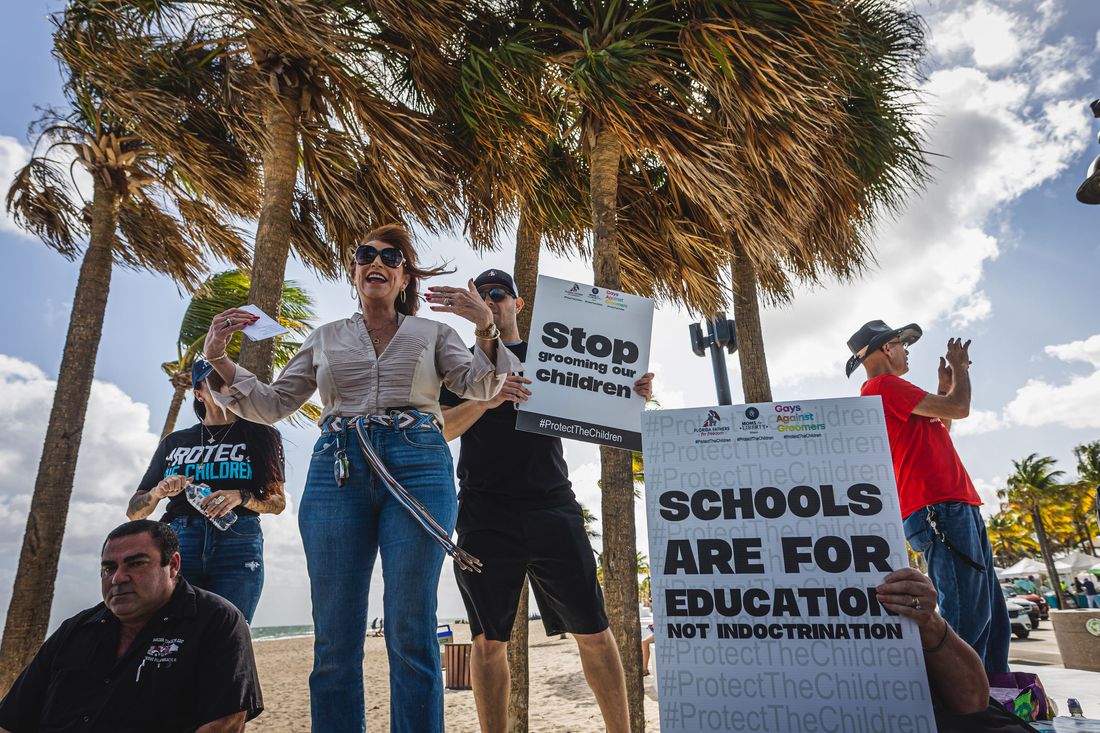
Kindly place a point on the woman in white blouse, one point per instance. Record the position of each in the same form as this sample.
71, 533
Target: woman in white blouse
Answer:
381, 479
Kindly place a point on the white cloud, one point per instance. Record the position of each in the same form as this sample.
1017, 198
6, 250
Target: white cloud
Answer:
987, 492
13, 156
979, 421
114, 452
983, 34
1087, 351
1041, 402
999, 137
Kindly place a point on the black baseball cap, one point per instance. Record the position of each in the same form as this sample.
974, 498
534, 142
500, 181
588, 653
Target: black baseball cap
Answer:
200, 370
870, 338
497, 277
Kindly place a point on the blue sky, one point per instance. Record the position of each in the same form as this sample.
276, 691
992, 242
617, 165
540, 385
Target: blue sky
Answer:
995, 249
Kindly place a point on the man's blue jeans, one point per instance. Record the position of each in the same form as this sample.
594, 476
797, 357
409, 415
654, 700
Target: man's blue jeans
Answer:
970, 601
343, 530
229, 563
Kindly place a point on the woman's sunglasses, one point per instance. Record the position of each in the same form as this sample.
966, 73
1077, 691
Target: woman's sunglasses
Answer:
391, 256
497, 294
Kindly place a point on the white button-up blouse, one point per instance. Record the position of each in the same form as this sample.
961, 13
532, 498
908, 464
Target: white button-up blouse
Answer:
338, 359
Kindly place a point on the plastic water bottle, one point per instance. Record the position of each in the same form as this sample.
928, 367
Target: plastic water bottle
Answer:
196, 493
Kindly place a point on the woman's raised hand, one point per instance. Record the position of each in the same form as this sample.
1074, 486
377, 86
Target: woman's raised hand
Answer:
224, 325
465, 302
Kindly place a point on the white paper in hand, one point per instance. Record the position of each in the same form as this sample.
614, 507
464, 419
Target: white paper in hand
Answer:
265, 328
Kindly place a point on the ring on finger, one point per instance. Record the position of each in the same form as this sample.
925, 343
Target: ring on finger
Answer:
915, 603
229, 323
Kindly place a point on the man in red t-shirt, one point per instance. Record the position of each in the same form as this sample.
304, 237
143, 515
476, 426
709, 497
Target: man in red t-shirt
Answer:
938, 502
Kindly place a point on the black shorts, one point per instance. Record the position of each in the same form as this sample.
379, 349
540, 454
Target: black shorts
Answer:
551, 547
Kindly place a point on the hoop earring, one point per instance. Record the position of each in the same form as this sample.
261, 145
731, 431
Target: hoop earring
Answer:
354, 294
402, 296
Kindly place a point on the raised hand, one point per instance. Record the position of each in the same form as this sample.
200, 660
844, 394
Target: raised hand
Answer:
223, 326
958, 354
644, 386
465, 302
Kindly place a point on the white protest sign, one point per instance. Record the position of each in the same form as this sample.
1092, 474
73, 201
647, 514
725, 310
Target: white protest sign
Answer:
265, 328
769, 527
588, 346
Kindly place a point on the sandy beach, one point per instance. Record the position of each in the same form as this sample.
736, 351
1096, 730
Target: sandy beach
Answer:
560, 698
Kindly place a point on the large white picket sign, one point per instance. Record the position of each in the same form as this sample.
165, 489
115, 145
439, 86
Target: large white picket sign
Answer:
769, 527
588, 346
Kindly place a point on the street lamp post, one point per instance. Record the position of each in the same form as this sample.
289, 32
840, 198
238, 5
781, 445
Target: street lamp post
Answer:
721, 336
1089, 191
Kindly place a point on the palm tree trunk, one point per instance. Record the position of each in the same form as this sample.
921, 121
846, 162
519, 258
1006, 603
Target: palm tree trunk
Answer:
750, 337
32, 594
273, 230
525, 272
173, 410
518, 665
1048, 556
620, 544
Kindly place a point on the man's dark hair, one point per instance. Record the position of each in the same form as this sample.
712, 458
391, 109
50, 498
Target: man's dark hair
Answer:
163, 535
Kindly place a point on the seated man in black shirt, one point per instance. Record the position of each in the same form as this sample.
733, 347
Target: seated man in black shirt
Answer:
518, 515
157, 654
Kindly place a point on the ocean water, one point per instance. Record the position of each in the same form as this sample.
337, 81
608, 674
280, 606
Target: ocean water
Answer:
265, 633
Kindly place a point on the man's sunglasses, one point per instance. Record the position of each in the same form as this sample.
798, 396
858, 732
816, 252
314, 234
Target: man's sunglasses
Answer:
391, 256
497, 294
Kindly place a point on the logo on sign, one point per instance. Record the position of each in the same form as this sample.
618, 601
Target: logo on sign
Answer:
711, 430
614, 300
793, 419
574, 293
754, 425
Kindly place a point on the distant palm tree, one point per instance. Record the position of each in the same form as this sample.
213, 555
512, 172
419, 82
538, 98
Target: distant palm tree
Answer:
144, 213
218, 293
1033, 486
1009, 536
1088, 472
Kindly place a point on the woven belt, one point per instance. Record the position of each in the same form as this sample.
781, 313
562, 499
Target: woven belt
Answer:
400, 418
404, 420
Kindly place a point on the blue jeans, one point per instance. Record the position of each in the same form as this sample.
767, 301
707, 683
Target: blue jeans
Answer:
343, 530
970, 601
229, 563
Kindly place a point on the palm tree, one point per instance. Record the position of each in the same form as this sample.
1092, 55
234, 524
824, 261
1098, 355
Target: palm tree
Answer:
144, 213
219, 292
1009, 537
1088, 473
314, 96
1032, 487
693, 117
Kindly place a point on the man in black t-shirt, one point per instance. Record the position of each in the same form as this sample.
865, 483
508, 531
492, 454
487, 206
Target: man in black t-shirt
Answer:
157, 654
518, 515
